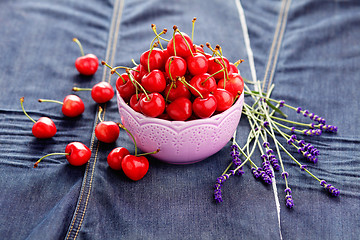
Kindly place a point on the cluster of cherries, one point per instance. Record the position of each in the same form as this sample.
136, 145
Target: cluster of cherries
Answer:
134, 166
180, 82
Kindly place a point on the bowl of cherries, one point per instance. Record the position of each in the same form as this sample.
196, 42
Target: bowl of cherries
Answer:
179, 99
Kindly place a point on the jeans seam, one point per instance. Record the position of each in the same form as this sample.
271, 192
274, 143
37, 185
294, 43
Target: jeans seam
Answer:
277, 40
87, 184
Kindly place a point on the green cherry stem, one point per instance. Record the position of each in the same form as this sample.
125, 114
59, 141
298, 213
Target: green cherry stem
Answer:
47, 155
80, 46
76, 89
132, 136
144, 154
22, 107
182, 79
49, 100
175, 29
99, 114
192, 29
107, 65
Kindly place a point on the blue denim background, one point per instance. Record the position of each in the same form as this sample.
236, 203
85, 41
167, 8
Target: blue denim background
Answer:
317, 67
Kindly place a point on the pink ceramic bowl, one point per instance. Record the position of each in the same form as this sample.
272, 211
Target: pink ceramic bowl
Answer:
181, 142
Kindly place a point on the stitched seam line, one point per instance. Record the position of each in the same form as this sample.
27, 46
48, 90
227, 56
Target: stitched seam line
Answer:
277, 40
117, 12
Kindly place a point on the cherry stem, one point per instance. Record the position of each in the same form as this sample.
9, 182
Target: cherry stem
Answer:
50, 154
104, 63
175, 28
133, 61
79, 44
153, 27
76, 89
186, 42
99, 114
133, 80
192, 30
238, 62
212, 75
144, 154
22, 106
189, 85
132, 136
167, 94
171, 60
49, 100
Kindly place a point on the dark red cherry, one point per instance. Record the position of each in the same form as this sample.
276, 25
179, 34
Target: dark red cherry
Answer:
197, 64
86, 64
204, 107
44, 127
175, 67
72, 106
139, 73
78, 153
115, 157
125, 87
204, 83
180, 109
155, 61
216, 64
135, 101
135, 167
177, 90
234, 84
153, 105
154, 81
224, 99
182, 49
102, 92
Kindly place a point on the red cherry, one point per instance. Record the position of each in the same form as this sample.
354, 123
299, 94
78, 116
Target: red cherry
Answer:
135, 167
175, 67
157, 59
234, 84
102, 92
139, 73
216, 64
182, 49
78, 153
154, 81
233, 68
204, 83
199, 48
153, 105
204, 107
180, 109
107, 131
135, 101
86, 64
125, 87
224, 99
197, 64
44, 128
115, 157
177, 90
73, 106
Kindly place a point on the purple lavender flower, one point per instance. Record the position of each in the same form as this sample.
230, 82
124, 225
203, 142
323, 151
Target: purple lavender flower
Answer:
289, 201
266, 124
267, 169
291, 139
219, 183
285, 175
330, 188
274, 162
255, 172
235, 154
328, 128
281, 103
266, 144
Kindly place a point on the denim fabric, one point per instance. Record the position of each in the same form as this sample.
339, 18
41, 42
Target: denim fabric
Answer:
309, 49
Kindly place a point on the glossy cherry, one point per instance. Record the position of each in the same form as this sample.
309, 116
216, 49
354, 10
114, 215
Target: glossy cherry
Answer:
197, 64
216, 64
234, 84
224, 99
102, 92
180, 109
135, 101
153, 105
204, 83
44, 127
156, 60
175, 67
115, 157
204, 107
125, 87
176, 90
72, 105
181, 45
135, 167
76, 153
86, 64
154, 81
139, 73
106, 131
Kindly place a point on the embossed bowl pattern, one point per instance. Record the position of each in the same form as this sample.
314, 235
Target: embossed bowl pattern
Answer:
181, 142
